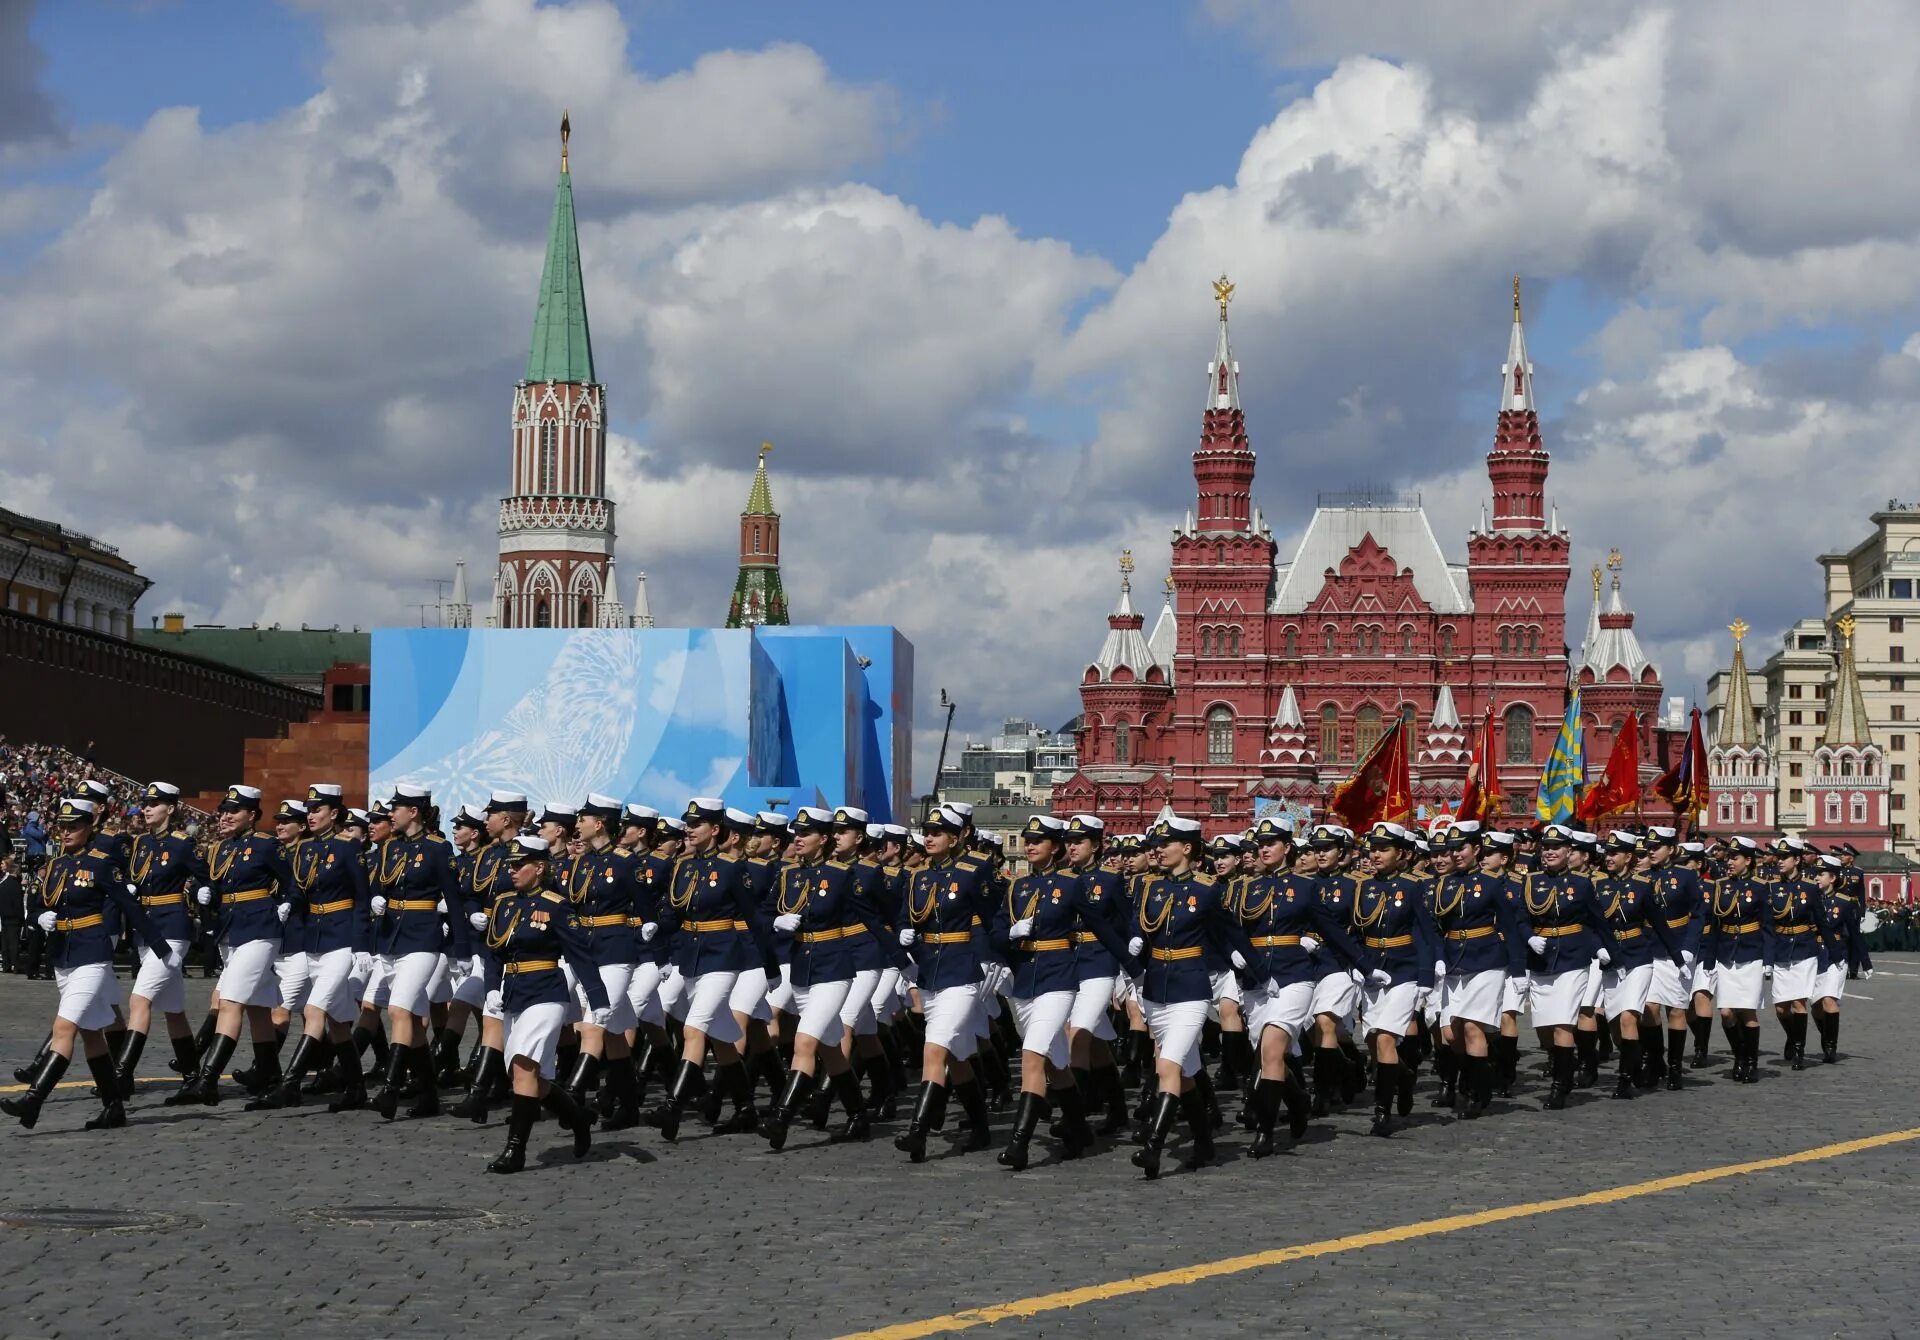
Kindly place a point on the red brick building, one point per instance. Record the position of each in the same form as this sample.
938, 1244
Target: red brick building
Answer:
1267, 675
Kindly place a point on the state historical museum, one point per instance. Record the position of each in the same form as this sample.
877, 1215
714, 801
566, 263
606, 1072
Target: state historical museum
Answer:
1266, 677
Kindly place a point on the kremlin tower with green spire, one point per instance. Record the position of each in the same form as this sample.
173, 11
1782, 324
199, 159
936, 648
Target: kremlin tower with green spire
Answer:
757, 595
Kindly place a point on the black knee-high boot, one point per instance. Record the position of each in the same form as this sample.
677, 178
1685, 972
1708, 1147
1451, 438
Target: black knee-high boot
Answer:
126, 1061
913, 1141
1327, 1067
1588, 1046
106, 1078
574, 1116
27, 1106
1200, 1125
1560, 1061
287, 1092
203, 1039
1266, 1111
1386, 1089
353, 1084
1075, 1134
1203, 1085
386, 1099
1623, 1084
787, 1107
1446, 1065
859, 1125
426, 1099
1701, 1026
29, 1072
519, 1126
1028, 1113
1676, 1053
1160, 1120
973, 1102
479, 1089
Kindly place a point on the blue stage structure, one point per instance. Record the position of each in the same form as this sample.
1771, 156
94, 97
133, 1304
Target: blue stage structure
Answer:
764, 718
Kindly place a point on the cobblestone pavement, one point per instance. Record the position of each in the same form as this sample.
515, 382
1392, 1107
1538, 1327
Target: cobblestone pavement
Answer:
333, 1226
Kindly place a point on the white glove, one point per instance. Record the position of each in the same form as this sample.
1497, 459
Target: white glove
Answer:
649, 929
1420, 997
379, 905
363, 966
1308, 943
477, 920
1020, 929
1767, 971
599, 1018
441, 907
1380, 977
789, 921
283, 911
133, 889
203, 896
1866, 974
176, 959
1686, 958
1603, 958
1537, 943
45, 921
907, 937
1357, 977
1238, 959
1134, 946
1439, 970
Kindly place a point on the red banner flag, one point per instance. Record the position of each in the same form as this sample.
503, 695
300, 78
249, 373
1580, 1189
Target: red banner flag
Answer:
1684, 785
1381, 788
1481, 800
1619, 786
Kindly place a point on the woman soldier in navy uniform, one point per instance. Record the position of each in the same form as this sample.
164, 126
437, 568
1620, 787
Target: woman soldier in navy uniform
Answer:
164, 869
1569, 936
1034, 925
1178, 917
532, 930
1799, 948
78, 886
1836, 924
1394, 919
1736, 949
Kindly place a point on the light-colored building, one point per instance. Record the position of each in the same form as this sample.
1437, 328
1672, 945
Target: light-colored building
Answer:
1019, 767
62, 576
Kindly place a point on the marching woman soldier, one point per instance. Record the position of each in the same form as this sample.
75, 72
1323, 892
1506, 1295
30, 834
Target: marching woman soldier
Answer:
1737, 946
490, 880
1034, 927
164, 868
1799, 950
1483, 947
1636, 917
604, 897
710, 910
1836, 925
1288, 926
75, 891
1394, 919
1569, 937
335, 902
1178, 916
410, 932
1671, 994
252, 887
290, 829
1337, 1069
823, 906
533, 930
947, 901
1090, 1034
466, 975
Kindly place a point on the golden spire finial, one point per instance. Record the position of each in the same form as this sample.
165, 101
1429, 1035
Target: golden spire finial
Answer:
1845, 625
1516, 300
765, 447
1168, 584
1126, 564
566, 132
1223, 293
1596, 581
1614, 561
1739, 629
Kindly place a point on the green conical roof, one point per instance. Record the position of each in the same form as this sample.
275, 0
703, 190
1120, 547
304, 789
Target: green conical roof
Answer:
760, 496
562, 351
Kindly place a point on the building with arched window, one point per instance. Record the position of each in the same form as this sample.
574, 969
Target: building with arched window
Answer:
1280, 668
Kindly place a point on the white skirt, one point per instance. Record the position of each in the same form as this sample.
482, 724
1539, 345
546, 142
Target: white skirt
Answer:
780, 993
1623, 991
89, 993
469, 980
1515, 992
439, 982
1226, 987
1672, 985
643, 993
291, 970
1176, 1029
1705, 979
1795, 981
615, 977
330, 985
707, 1007
750, 995
951, 1014
1091, 1001
1290, 1009
1737, 986
248, 978
1388, 1009
1559, 997
1043, 1025
673, 991
886, 996
1336, 994
1833, 984
410, 988
1475, 997
819, 1008
856, 1012
379, 982
995, 976
534, 1033
165, 987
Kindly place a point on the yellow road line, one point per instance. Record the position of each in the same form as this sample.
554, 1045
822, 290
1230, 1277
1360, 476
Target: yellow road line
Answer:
1426, 1228
88, 1082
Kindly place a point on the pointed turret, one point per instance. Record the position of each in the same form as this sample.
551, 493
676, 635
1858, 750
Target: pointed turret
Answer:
1223, 374
758, 597
1223, 466
1446, 716
1738, 727
1125, 647
1164, 640
1445, 749
459, 610
1847, 724
1611, 642
642, 611
562, 351
1518, 462
609, 612
1517, 372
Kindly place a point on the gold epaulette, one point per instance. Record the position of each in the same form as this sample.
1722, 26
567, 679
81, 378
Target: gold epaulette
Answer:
839, 864
1206, 881
759, 860
436, 836
180, 833
551, 896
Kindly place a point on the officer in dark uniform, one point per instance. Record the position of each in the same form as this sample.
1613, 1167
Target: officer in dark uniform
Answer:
1736, 946
164, 868
410, 914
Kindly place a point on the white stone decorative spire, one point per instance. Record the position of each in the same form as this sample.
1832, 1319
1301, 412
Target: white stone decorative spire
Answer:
1445, 715
612, 614
1516, 374
1125, 645
1223, 374
1288, 746
459, 611
642, 611
1164, 640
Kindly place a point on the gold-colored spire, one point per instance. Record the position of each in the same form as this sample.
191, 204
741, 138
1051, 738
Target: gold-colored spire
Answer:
1739, 628
1167, 585
1222, 293
1739, 723
1596, 581
1516, 300
1845, 625
566, 132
